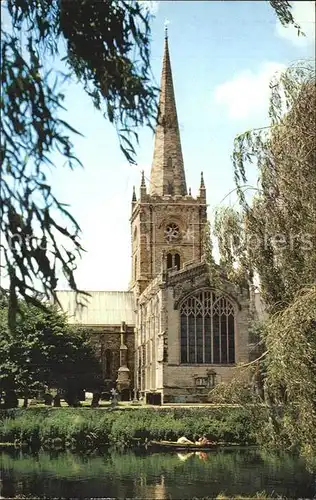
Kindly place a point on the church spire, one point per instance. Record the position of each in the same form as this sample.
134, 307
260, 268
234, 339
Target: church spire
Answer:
167, 171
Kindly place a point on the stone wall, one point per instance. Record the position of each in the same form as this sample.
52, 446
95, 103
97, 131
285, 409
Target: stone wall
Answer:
150, 216
109, 338
180, 379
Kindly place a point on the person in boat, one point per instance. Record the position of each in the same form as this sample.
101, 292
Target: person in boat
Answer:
184, 440
184, 456
203, 441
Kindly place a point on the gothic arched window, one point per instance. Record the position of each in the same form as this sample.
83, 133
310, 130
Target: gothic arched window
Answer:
177, 261
207, 329
169, 260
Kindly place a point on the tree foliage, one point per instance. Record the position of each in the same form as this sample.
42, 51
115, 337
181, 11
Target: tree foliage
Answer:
45, 353
272, 237
283, 10
290, 364
107, 51
273, 233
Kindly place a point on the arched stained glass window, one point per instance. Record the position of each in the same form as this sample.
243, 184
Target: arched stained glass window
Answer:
207, 329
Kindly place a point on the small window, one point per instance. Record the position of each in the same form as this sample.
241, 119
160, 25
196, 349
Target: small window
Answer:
173, 260
169, 260
177, 261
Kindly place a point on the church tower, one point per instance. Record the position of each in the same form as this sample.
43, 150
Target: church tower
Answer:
167, 222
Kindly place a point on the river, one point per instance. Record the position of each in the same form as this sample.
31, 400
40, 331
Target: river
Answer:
153, 475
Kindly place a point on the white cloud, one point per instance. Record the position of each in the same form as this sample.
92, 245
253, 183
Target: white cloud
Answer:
304, 15
246, 95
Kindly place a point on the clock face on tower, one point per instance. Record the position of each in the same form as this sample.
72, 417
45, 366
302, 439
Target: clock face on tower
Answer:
172, 232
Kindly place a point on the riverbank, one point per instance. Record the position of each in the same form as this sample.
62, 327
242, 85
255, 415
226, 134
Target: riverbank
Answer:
81, 428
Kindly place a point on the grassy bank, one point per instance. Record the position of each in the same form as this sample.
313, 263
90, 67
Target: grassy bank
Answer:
77, 428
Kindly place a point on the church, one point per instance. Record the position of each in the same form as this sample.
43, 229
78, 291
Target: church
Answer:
173, 335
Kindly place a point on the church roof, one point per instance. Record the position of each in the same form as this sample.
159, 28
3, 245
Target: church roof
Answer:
103, 308
167, 171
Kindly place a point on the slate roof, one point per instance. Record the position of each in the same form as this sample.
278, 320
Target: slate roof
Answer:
102, 308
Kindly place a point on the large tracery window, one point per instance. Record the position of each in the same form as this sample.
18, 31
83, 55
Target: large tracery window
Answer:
207, 329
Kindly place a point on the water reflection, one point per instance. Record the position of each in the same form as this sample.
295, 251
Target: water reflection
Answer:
184, 456
157, 475
154, 491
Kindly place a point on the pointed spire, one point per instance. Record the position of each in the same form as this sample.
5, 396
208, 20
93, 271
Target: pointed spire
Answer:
134, 199
202, 188
143, 189
167, 172
143, 183
202, 185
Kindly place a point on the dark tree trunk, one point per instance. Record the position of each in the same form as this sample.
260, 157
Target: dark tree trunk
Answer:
95, 399
11, 400
25, 402
71, 398
48, 399
56, 401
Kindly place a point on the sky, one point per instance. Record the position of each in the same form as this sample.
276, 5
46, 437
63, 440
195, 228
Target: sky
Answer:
223, 55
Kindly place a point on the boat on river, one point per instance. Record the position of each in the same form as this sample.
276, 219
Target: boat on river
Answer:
175, 446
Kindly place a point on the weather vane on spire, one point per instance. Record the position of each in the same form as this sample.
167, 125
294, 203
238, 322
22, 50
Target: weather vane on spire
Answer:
166, 27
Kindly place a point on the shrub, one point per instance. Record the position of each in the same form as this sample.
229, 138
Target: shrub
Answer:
94, 428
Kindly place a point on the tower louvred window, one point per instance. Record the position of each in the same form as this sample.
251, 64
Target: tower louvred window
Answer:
169, 260
173, 261
177, 261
